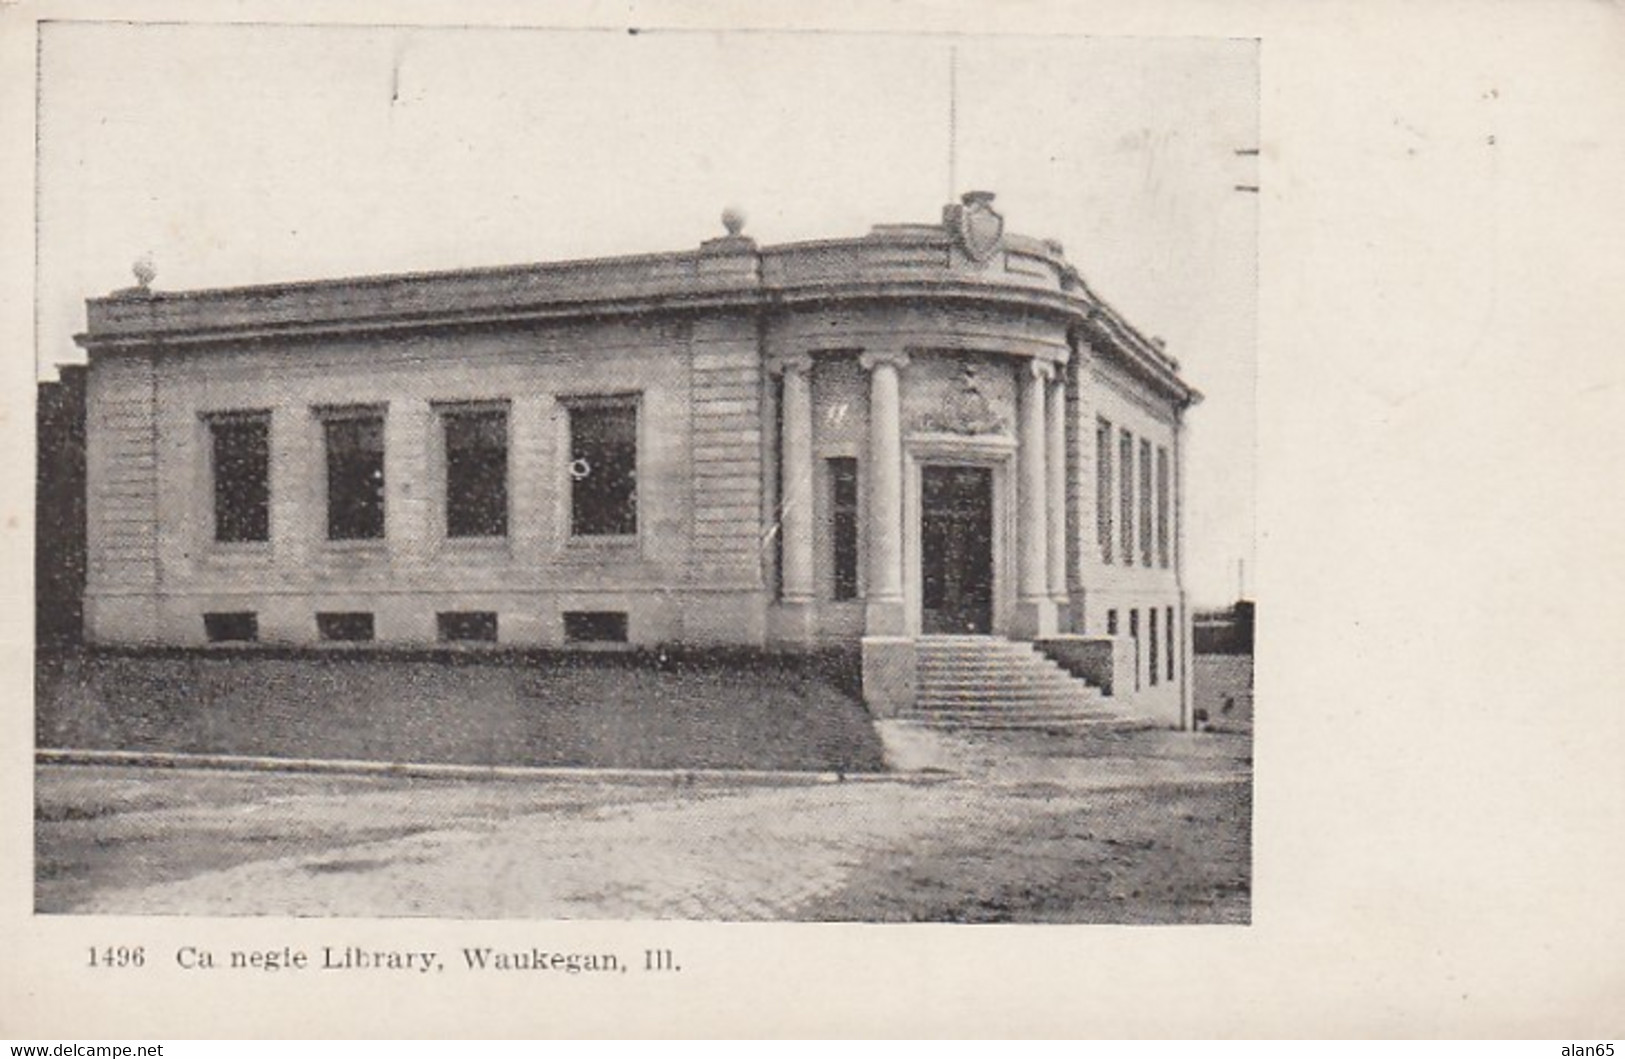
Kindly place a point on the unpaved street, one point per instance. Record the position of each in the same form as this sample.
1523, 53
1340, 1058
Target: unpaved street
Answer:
1092, 827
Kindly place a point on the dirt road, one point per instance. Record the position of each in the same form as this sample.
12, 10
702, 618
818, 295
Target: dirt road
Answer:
1099, 827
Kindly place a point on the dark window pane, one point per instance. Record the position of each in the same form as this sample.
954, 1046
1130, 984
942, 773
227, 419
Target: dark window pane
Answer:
1170, 643
476, 474
843, 488
242, 480
478, 625
1162, 506
355, 478
227, 627
344, 626
604, 471
1145, 503
1111, 623
1103, 489
1125, 480
1151, 648
595, 626
1134, 632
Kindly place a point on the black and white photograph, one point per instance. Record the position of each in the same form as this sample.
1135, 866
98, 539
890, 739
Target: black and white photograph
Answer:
702, 519
512, 473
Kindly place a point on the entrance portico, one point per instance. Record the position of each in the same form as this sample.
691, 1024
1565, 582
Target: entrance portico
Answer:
961, 456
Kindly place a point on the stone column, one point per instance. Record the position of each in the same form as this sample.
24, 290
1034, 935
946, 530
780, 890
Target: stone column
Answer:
885, 613
796, 500
1035, 611
1055, 487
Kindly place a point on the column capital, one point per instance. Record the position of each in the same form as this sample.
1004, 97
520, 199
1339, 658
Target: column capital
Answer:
873, 358
791, 364
1042, 370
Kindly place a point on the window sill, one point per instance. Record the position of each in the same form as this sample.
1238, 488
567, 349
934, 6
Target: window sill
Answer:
362, 547
474, 549
475, 544
604, 543
239, 551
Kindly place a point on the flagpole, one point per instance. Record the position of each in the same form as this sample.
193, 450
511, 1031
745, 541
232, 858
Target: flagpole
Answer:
953, 121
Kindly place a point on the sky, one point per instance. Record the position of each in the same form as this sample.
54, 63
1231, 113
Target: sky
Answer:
252, 154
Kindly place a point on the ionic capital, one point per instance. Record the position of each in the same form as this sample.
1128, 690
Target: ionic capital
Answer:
873, 358
1042, 370
791, 364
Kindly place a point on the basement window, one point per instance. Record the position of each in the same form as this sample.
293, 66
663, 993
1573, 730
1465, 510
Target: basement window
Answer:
344, 626
241, 468
238, 626
595, 626
467, 626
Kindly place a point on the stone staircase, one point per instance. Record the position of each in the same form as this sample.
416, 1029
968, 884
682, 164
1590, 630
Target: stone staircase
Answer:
991, 682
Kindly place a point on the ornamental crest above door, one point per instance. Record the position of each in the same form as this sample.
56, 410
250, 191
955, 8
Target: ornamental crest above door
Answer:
966, 411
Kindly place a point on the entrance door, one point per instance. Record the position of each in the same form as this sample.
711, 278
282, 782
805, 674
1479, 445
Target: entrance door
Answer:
956, 549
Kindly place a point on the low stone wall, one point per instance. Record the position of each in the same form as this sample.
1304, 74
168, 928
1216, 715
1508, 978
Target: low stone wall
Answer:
890, 674
1107, 662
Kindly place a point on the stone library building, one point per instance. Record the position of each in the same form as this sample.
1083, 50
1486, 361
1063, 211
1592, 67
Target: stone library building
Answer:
932, 445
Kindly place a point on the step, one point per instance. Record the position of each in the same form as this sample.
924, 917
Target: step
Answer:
979, 699
990, 682
1005, 691
1027, 678
1011, 722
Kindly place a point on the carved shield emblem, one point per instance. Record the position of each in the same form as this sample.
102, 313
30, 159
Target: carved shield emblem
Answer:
980, 226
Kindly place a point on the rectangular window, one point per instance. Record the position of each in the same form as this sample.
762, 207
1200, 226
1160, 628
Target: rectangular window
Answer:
344, 626
1134, 634
604, 469
1111, 622
843, 505
1170, 647
238, 626
1125, 481
355, 475
1153, 659
455, 626
595, 626
1162, 507
476, 472
1103, 488
242, 477
1145, 502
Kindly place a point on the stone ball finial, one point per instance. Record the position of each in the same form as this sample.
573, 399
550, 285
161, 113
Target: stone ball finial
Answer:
145, 271
733, 219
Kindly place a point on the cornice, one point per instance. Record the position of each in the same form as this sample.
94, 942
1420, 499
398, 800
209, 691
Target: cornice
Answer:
732, 279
